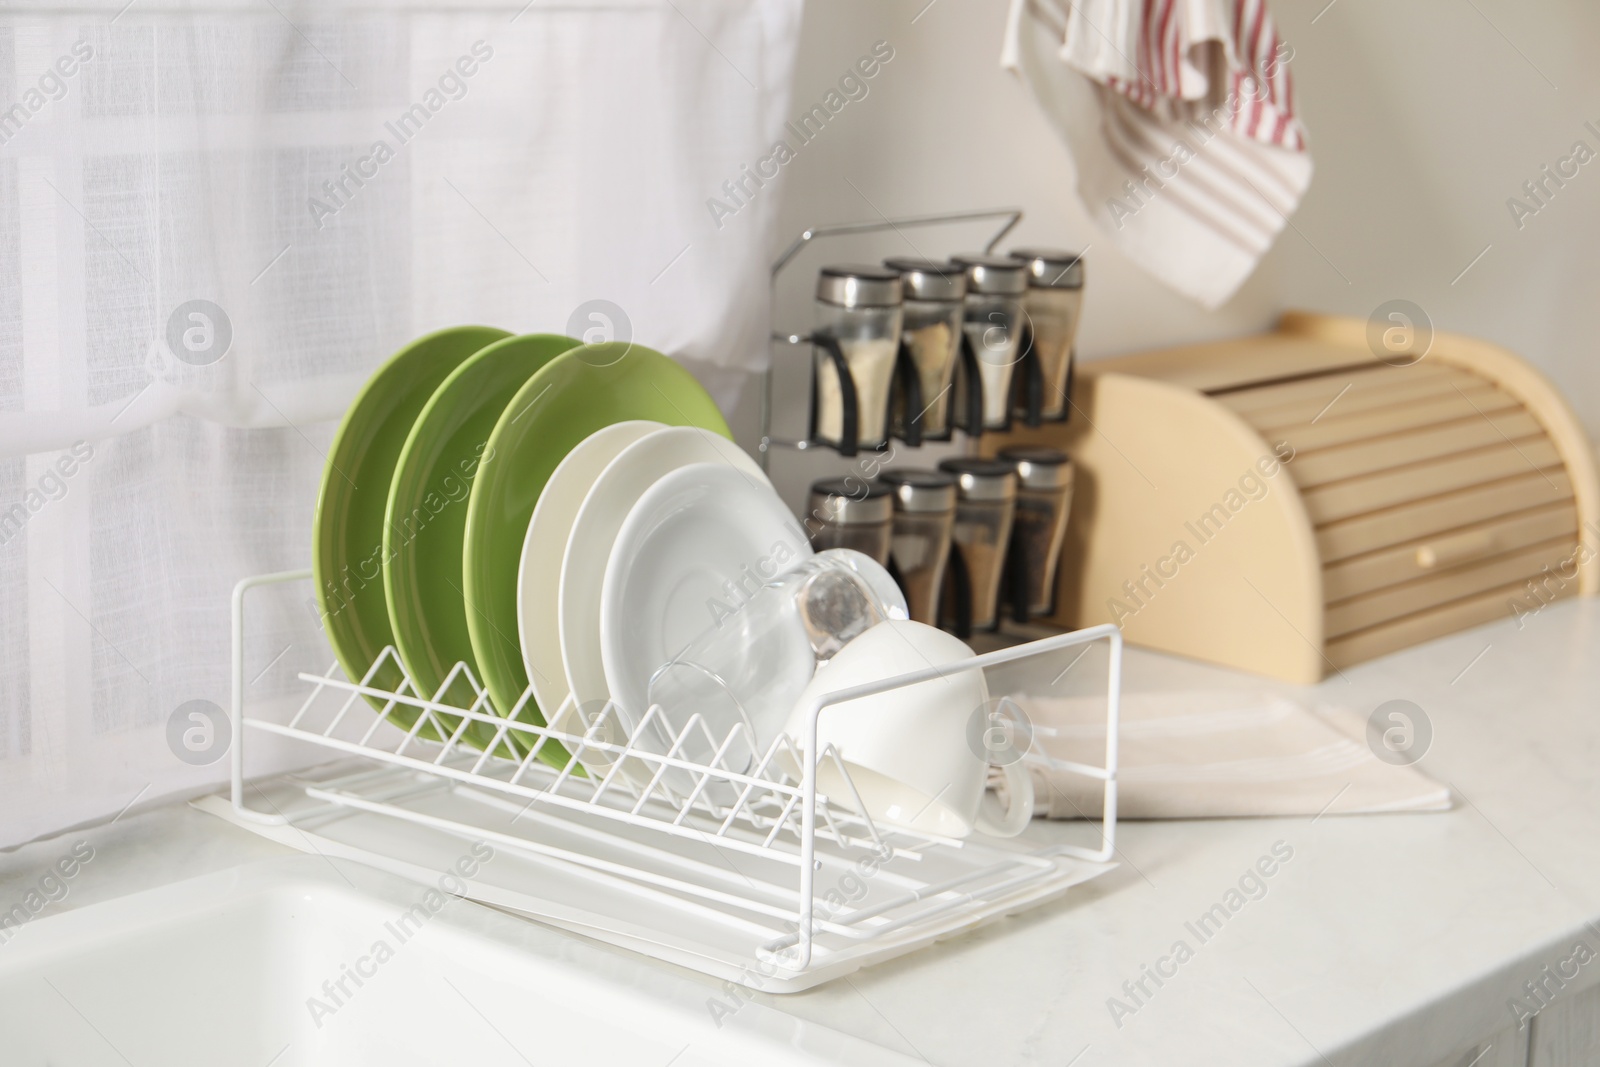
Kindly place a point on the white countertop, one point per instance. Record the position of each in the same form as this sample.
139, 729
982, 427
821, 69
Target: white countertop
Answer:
1394, 938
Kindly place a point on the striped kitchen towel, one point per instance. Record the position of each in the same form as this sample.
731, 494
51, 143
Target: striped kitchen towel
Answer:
1180, 118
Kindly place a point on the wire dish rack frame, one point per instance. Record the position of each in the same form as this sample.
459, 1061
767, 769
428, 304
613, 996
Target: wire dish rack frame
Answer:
719, 864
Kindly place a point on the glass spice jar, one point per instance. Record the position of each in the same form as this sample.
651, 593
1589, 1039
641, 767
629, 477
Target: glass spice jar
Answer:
1054, 303
851, 513
924, 516
1044, 500
859, 311
934, 291
986, 497
992, 319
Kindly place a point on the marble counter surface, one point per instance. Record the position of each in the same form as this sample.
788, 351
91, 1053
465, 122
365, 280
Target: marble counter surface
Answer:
1393, 939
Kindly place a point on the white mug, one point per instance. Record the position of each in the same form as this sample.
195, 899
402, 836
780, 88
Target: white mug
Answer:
908, 750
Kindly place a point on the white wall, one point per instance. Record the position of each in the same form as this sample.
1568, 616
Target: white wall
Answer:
1424, 119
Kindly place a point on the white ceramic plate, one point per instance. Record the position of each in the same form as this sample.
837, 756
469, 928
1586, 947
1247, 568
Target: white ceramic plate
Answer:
583, 565
539, 573
698, 544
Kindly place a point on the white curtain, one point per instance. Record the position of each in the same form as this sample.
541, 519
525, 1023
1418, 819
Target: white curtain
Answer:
218, 219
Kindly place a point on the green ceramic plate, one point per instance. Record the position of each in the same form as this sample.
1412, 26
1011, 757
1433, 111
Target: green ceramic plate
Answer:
582, 391
426, 514
347, 532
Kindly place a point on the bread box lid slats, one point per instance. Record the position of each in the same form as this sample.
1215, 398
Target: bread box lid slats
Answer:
1434, 554
1343, 500
1369, 456
1357, 389
1344, 426
1426, 625
1372, 609
1418, 519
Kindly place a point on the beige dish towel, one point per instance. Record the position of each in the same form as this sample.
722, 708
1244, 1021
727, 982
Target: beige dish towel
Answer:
1180, 116
1211, 754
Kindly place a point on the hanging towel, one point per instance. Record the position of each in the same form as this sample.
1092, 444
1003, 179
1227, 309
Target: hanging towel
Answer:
1180, 117
1216, 754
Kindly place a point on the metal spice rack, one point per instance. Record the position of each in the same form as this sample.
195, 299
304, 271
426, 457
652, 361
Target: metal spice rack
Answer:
1009, 216
751, 875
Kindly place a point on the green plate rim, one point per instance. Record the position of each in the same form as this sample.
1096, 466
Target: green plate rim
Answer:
548, 347
326, 552
480, 585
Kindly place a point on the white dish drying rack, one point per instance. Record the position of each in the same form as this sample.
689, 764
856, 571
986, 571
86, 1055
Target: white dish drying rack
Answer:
751, 875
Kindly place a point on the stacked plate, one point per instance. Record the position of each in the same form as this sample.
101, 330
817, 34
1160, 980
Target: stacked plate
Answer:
550, 519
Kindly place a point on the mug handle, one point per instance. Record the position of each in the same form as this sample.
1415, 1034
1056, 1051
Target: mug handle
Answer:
1019, 813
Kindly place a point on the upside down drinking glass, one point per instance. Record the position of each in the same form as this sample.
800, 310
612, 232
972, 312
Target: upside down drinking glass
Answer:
748, 669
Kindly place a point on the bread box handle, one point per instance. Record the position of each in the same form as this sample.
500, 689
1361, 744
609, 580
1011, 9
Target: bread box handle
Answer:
1448, 551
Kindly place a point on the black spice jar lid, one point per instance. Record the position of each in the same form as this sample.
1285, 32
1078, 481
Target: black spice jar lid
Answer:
1039, 467
850, 501
919, 490
982, 479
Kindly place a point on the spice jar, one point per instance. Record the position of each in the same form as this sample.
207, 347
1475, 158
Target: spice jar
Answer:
924, 516
986, 497
1044, 499
857, 323
851, 513
933, 294
992, 318
1054, 303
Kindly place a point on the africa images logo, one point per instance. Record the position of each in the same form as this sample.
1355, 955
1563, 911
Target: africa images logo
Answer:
740, 191
453, 84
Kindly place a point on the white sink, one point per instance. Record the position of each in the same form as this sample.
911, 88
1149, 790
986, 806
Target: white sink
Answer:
243, 968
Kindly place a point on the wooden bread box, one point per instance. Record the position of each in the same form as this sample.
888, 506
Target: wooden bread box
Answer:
1290, 504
